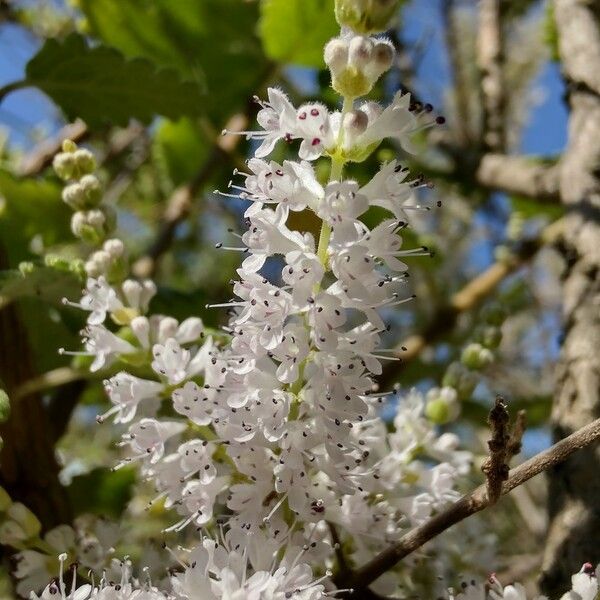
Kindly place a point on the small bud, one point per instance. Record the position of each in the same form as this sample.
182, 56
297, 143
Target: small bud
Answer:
457, 376
476, 357
85, 161
69, 146
336, 54
442, 405
4, 406
360, 51
74, 196
27, 521
5, 500
26, 268
64, 165
92, 190
114, 248
489, 336
366, 16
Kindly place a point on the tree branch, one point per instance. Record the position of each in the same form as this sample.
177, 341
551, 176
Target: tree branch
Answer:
490, 56
519, 175
444, 320
472, 503
42, 155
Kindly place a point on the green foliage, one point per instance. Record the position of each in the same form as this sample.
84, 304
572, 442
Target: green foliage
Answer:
4, 406
46, 283
180, 148
28, 208
295, 31
100, 86
534, 208
211, 42
551, 32
102, 492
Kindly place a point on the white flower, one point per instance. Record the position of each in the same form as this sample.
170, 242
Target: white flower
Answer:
98, 298
126, 392
584, 584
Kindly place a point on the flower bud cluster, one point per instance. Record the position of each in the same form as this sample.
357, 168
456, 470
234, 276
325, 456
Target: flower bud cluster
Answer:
366, 16
356, 62
92, 221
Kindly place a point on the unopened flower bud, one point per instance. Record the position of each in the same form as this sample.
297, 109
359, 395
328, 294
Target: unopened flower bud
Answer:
98, 264
336, 54
85, 161
89, 225
167, 328
354, 124
366, 16
114, 248
360, 51
141, 329
476, 357
27, 522
4, 406
64, 165
489, 336
5, 500
382, 58
92, 190
457, 376
69, 146
442, 405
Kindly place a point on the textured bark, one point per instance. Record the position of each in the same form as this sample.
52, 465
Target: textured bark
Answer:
490, 56
28, 467
519, 175
574, 495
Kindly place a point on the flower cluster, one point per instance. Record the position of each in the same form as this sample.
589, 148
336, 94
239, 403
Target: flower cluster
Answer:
273, 443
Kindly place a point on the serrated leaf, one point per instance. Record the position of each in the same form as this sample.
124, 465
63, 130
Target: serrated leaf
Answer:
46, 283
101, 86
295, 31
212, 42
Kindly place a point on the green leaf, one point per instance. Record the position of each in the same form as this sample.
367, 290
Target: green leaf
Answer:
46, 283
295, 31
4, 406
180, 148
100, 86
534, 208
102, 492
28, 208
211, 42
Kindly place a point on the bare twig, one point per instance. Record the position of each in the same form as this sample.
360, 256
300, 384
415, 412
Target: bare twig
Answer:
41, 156
503, 446
470, 504
519, 175
466, 299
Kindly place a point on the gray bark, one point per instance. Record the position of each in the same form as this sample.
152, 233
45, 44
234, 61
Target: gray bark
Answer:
574, 487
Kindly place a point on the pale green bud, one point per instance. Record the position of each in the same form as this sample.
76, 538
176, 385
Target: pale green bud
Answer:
5, 500
69, 146
366, 16
356, 63
476, 357
85, 161
442, 405
25, 519
89, 225
64, 165
4, 406
457, 376
26, 268
489, 336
